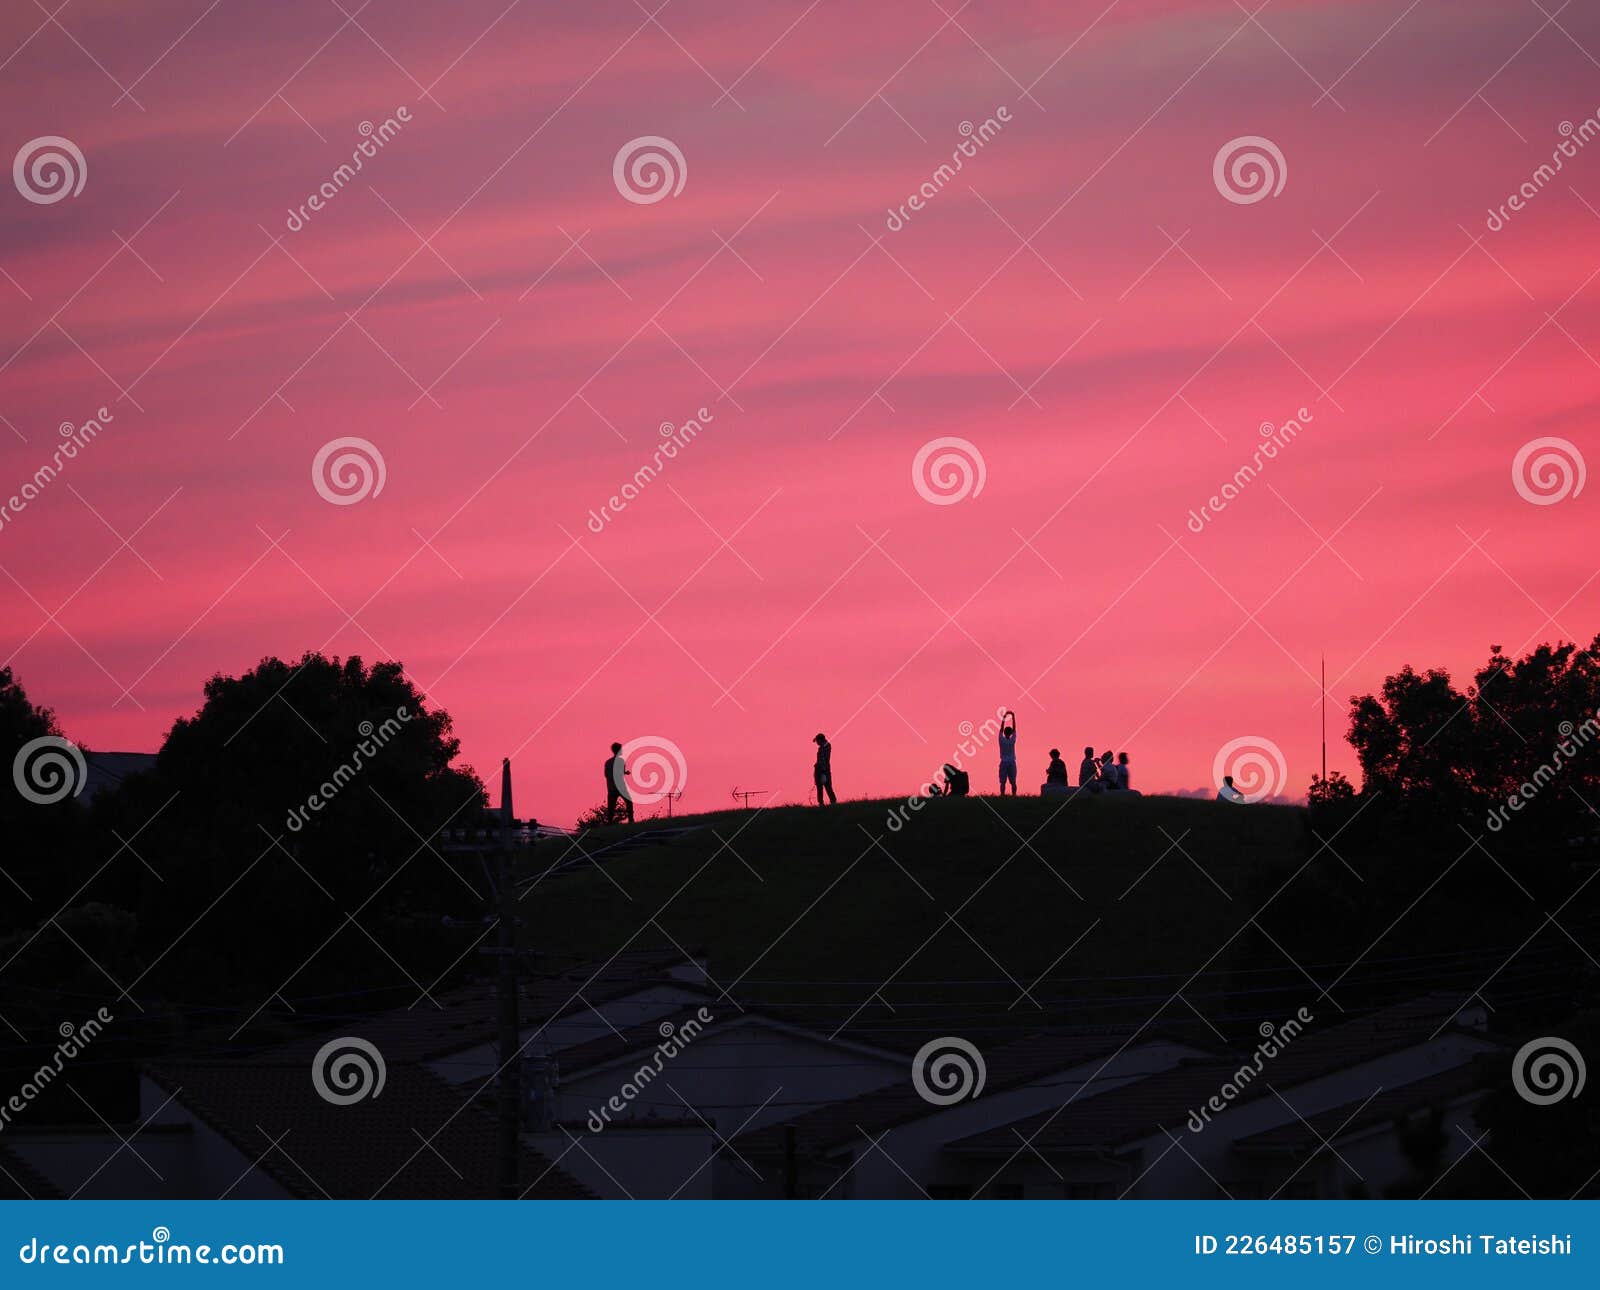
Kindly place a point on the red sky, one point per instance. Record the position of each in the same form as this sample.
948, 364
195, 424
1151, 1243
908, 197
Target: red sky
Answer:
1110, 382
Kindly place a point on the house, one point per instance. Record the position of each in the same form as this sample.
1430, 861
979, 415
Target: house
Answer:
1327, 1116
634, 1073
891, 1142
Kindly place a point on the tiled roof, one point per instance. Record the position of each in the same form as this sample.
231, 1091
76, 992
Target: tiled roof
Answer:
469, 1015
1143, 1108
1389, 1105
1008, 1067
418, 1139
21, 1181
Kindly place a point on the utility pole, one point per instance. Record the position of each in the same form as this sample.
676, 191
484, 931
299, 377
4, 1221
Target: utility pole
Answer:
1324, 718
510, 1021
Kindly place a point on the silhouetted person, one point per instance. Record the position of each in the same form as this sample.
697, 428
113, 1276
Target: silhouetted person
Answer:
956, 781
1228, 793
822, 772
1088, 769
1108, 770
1055, 775
1123, 781
617, 785
1008, 753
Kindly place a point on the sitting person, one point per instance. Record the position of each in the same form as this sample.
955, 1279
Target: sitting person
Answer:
956, 783
1108, 771
1228, 793
1055, 776
1088, 769
1123, 784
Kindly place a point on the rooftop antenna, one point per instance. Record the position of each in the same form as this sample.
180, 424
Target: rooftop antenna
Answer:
743, 795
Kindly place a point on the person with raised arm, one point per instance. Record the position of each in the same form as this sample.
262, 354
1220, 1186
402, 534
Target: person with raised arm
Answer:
1008, 752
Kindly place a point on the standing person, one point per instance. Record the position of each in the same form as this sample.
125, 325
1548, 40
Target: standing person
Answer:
617, 785
822, 772
1008, 752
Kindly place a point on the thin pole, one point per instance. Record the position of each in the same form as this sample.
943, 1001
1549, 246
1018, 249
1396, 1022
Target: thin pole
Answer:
510, 1021
1324, 718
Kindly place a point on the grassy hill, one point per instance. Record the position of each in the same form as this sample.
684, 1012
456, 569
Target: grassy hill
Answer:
980, 914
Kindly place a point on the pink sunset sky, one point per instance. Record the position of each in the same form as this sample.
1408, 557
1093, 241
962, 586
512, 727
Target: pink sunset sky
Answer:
1080, 302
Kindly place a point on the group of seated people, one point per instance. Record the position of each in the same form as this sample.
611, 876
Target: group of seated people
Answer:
1107, 775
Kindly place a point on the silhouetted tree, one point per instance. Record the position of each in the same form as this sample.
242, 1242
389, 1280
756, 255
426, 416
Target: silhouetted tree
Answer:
296, 813
1519, 749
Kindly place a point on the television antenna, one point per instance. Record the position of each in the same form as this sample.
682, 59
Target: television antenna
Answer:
743, 795
670, 798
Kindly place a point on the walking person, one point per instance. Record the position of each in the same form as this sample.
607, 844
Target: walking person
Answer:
822, 772
1008, 752
617, 785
